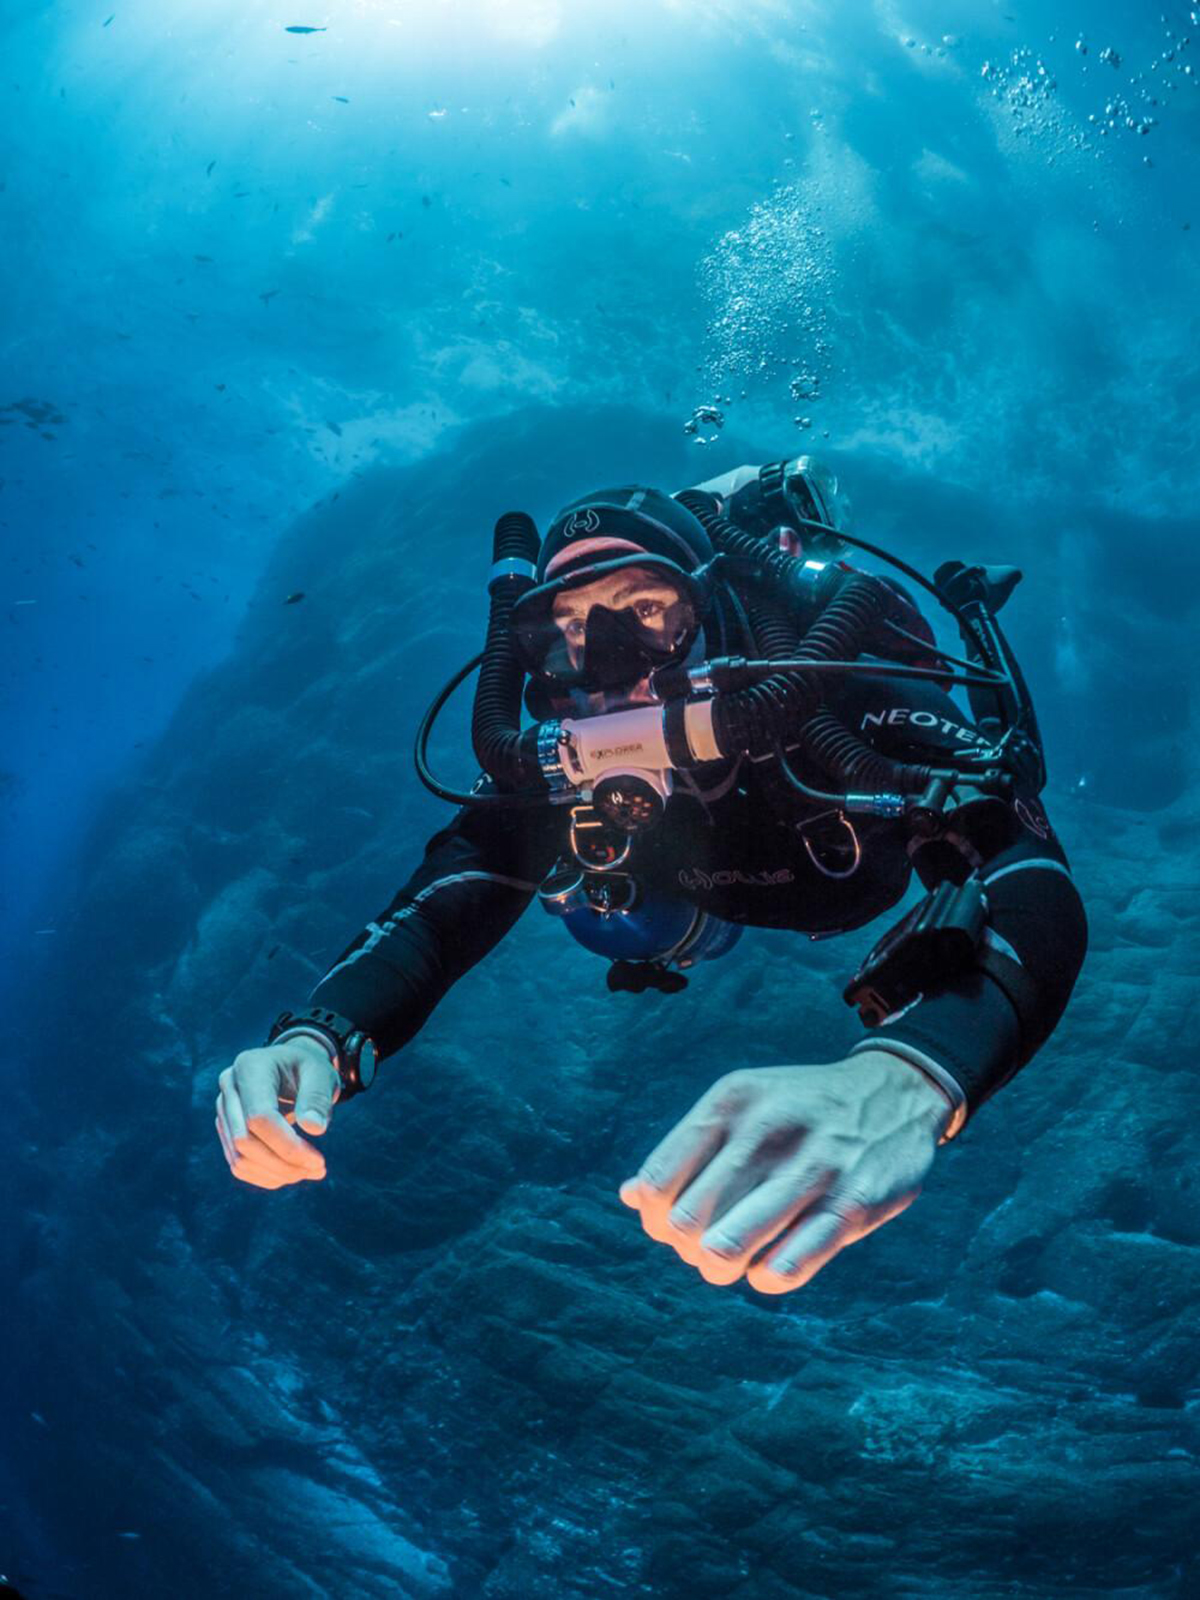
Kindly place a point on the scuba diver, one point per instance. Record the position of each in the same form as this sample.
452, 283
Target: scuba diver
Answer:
695, 714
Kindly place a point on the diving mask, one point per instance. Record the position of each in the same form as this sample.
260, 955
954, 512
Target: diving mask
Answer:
608, 624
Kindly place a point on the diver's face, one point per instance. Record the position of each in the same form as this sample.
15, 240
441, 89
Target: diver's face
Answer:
661, 615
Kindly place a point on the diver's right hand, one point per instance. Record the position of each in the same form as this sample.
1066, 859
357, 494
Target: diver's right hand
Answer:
261, 1093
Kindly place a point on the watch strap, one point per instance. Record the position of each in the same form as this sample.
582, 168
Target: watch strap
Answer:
344, 1039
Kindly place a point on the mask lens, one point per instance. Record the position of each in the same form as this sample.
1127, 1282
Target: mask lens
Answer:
619, 619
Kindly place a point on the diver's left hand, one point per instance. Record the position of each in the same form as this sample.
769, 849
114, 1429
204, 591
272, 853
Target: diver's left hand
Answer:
776, 1169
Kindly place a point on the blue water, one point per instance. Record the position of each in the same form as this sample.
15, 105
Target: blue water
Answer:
242, 263
952, 247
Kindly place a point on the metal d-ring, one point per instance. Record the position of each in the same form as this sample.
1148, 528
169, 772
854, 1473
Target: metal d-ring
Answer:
607, 866
855, 864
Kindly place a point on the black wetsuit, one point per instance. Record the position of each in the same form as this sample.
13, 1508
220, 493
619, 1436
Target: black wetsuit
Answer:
725, 845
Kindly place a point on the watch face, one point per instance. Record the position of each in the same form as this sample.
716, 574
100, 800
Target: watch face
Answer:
367, 1063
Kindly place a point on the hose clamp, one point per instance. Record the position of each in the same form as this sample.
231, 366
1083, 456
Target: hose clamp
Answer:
876, 805
509, 572
549, 736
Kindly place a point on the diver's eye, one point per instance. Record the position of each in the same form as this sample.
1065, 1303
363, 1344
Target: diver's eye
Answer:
575, 628
648, 610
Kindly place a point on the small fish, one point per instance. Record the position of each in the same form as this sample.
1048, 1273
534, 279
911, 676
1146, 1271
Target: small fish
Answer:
128, 1534
206, 259
208, 169
39, 1419
219, 387
22, 602
292, 598
269, 295
298, 27
107, 20
506, 183
273, 952
341, 99
426, 201
333, 427
76, 559
39, 932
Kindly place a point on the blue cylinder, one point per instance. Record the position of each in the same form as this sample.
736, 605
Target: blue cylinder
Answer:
657, 928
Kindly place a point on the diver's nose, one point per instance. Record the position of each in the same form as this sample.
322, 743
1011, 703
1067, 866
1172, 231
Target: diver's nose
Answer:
607, 658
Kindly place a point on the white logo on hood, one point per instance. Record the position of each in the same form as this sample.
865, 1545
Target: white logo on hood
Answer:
581, 522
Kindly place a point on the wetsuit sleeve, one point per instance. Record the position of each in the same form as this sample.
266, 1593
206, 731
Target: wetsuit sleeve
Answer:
476, 878
975, 1031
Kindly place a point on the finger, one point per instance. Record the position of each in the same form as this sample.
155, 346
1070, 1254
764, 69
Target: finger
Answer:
259, 1103
673, 1163
691, 1142
653, 1192
315, 1083
744, 1164
231, 1154
801, 1253
734, 1235
730, 1175
231, 1105
240, 1161
248, 1146
243, 1167
819, 1236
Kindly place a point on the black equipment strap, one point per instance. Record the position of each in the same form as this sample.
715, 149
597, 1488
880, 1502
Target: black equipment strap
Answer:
1017, 985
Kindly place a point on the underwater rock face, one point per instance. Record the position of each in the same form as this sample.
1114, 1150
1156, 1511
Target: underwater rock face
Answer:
457, 1366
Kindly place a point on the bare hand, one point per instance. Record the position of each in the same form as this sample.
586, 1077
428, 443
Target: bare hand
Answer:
776, 1169
261, 1094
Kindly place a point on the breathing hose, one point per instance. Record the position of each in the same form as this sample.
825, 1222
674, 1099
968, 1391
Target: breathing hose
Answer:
501, 748
771, 711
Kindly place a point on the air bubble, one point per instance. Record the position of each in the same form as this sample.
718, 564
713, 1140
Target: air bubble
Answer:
704, 417
769, 285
